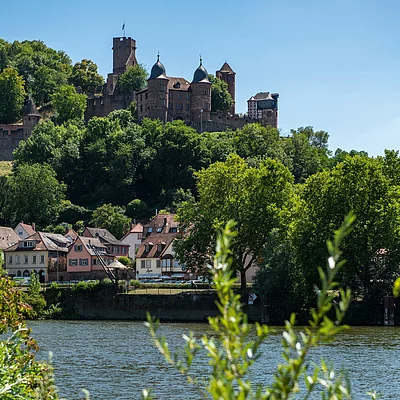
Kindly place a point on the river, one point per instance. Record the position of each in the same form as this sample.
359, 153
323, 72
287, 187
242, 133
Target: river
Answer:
116, 359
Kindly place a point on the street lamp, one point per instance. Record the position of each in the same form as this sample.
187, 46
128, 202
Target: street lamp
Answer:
201, 121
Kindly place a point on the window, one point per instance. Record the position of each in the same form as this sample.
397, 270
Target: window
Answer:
33, 259
143, 264
124, 250
115, 249
73, 261
158, 264
141, 108
94, 261
187, 107
28, 244
148, 263
17, 260
159, 247
10, 259
206, 106
171, 106
166, 262
173, 230
159, 229
141, 98
78, 247
179, 96
42, 259
149, 230
136, 246
187, 96
25, 259
176, 264
139, 236
83, 261
20, 233
147, 248
163, 88
177, 106
146, 95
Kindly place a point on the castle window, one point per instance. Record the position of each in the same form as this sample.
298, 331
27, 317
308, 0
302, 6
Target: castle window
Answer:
163, 88
171, 106
163, 102
177, 85
170, 95
179, 96
187, 96
141, 108
187, 107
206, 106
141, 97
177, 106
146, 95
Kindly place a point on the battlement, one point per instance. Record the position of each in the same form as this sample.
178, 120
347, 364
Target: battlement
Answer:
124, 54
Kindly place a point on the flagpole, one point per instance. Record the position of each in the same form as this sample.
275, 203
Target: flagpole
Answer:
123, 28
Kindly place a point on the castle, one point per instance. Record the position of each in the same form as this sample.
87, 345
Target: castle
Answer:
173, 98
12, 134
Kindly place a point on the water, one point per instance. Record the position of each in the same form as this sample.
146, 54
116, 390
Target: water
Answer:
116, 359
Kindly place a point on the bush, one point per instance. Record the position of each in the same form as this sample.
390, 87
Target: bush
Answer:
85, 286
106, 281
135, 283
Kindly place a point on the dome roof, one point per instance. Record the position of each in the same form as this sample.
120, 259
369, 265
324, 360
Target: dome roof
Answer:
158, 70
201, 74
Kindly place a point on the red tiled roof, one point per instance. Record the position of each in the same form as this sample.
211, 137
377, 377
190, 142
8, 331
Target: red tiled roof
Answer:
28, 228
154, 240
8, 237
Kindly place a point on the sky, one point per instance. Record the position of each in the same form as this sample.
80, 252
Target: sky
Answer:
334, 63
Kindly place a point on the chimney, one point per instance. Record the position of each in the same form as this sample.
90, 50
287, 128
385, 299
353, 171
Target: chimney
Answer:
165, 221
34, 226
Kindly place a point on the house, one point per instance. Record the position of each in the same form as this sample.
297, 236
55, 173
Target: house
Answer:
71, 236
82, 259
156, 257
43, 253
24, 230
7, 237
114, 246
133, 238
161, 223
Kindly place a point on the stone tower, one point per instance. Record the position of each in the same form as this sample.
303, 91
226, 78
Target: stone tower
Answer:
201, 95
227, 74
30, 119
124, 54
157, 85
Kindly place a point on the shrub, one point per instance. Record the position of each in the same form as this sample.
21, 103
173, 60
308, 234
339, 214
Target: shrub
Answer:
84, 286
135, 283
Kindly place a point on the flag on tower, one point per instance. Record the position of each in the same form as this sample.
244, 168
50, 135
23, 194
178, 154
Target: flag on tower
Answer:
123, 26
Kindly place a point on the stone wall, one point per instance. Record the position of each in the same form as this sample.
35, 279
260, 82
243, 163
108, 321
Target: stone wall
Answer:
10, 136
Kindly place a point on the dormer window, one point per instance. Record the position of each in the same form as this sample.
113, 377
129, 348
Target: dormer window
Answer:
177, 85
147, 248
159, 247
159, 229
149, 230
28, 243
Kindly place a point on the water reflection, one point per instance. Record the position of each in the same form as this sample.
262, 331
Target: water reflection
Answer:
116, 360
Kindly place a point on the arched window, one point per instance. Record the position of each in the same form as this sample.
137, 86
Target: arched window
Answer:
26, 273
19, 273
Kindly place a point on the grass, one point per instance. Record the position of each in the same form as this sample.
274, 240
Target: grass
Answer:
5, 167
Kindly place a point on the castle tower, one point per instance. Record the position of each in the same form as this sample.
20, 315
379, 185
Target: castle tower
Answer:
124, 54
157, 86
227, 74
31, 118
201, 95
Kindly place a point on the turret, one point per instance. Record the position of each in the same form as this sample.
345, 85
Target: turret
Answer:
157, 89
201, 95
31, 118
227, 74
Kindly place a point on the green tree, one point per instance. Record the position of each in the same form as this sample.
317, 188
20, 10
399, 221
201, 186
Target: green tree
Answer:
34, 296
221, 99
137, 209
132, 80
84, 75
68, 104
33, 194
12, 95
254, 197
358, 184
111, 218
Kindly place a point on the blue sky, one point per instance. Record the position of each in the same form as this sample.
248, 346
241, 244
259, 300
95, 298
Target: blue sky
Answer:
335, 63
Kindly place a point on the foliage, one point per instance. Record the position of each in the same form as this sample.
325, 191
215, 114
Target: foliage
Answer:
221, 99
136, 209
254, 196
359, 184
21, 376
85, 286
34, 296
12, 95
45, 195
231, 354
125, 260
111, 218
68, 104
135, 283
132, 80
84, 75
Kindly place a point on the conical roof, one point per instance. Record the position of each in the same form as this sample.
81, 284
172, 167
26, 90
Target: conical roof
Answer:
226, 68
30, 108
201, 74
158, 70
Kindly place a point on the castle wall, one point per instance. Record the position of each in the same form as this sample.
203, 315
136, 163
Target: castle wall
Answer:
10, 136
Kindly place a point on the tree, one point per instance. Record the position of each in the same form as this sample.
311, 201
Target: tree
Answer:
68, 104
132, 80
12, 95
111, 218
221, 99
254, 197
358, 184
137, 209
33, 194
84, 75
